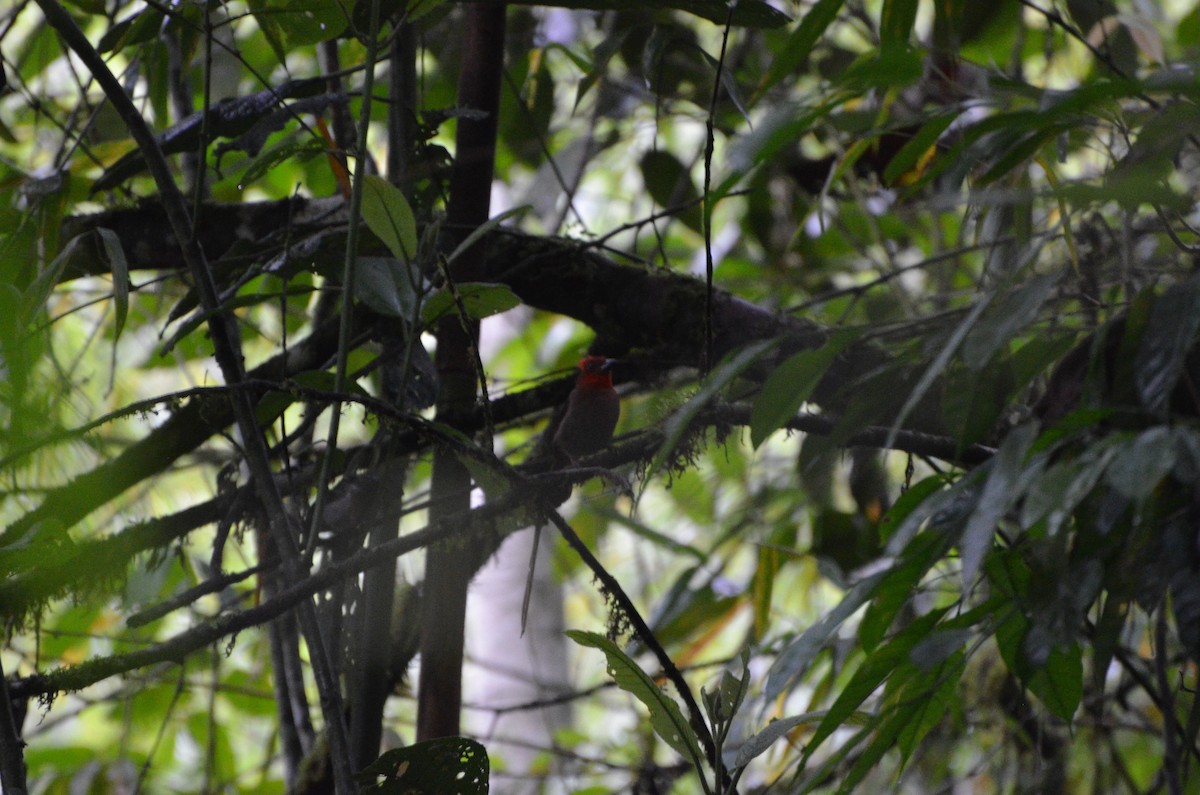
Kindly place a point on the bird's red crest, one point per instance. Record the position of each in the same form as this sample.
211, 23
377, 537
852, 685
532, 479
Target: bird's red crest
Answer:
596, 371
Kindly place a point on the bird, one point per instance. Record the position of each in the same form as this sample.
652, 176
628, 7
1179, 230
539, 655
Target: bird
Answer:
593, 409
584, 428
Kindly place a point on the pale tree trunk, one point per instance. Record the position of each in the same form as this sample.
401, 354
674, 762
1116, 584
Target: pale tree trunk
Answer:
507, 669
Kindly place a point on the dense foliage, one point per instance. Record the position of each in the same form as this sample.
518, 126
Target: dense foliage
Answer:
906, 495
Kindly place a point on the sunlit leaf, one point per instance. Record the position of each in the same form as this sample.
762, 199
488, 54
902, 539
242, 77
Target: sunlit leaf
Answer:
389, 216
665, 715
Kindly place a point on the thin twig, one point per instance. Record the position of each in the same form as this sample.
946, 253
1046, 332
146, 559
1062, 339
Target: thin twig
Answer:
646, 635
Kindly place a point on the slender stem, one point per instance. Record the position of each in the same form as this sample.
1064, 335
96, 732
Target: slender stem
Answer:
646, 635
349, 271
12, 760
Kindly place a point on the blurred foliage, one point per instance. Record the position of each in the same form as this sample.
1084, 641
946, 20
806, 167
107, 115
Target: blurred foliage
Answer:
1000, 197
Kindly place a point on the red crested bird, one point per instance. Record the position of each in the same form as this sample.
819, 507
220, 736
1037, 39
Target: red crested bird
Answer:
592, 410
586, 427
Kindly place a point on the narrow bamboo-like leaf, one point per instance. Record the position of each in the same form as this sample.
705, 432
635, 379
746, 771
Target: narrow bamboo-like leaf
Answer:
1005, 319
997, 496
1051, 667
874, 669
763, 587
665, 716
939, 363
925, 700
746, 13
914, 150
118, 265
39, 290
300, 150
1054, 494
906, 503
390, 217
896, 22
897, 587
793, 383
1167, 339
882, 741
798, 46
793, 661
760, 742
869, 724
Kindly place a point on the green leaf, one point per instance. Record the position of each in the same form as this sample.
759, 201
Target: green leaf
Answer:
38, 292
760, 742
479, 300
916, 147
1000, 324
1168, 337
262, 164
1058, 683
882, 741
894, 67
665, 716
896, 22
793, 661
897, 587
906, 503
118, 265
433, 767
999, 494
389, 216
1139, 466
796, 50
670, 185
938, 647
792, 384
386, 285
1052, 668
723, 703
295, 23
1056, 492
138, 28
924, 701
873, 671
